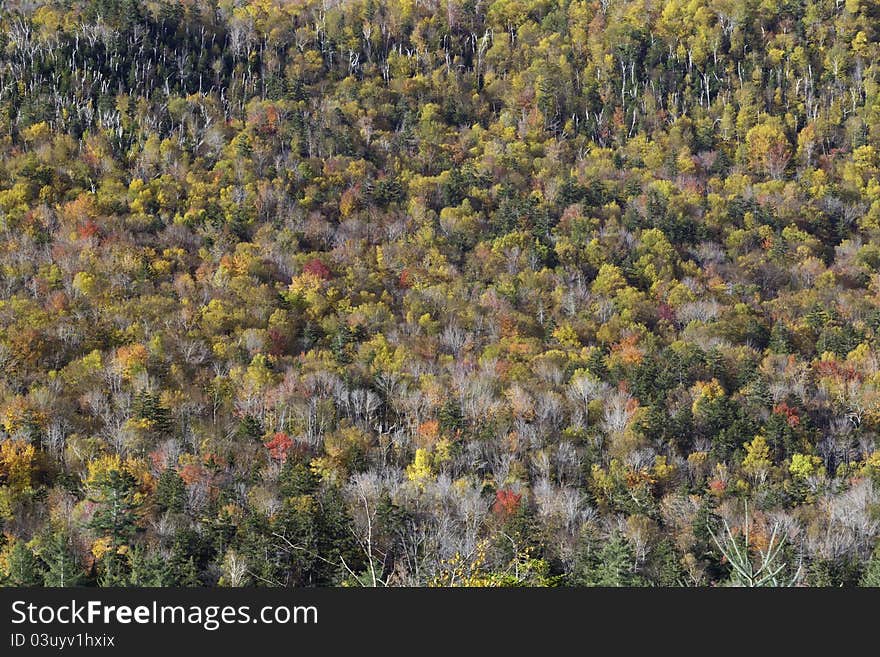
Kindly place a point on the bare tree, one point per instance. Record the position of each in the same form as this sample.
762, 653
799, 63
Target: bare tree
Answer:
583, 389
769, 567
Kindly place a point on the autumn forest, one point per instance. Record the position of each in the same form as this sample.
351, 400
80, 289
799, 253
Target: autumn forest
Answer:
440, 293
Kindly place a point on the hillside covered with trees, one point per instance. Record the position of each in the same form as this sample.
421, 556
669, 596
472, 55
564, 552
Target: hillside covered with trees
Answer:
439, 292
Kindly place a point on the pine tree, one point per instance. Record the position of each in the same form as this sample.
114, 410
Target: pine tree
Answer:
665, 565
616, 565
339, 345
22, 567
871, 576
450, 416
249, 428
146, 568
113, 491
780, 339
148, 406
188, 574
611, 564
184, 560
63, 568
170, 491
113, 571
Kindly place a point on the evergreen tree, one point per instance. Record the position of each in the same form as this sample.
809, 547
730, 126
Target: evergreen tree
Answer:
871, 575
62, 566
249, 428
610, 564
148, 406
113, 570
146, 568
170, 491
616, 565
187, 555
22, 567
780, 339
450, 416
664, 565
261, 550
187, 574
114, 492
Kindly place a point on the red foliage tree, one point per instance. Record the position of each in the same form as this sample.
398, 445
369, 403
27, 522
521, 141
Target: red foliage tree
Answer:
277, 342
405, 279
88, 229
192, 473
791, 414
666, 312
506, 503
279, 446
317, 268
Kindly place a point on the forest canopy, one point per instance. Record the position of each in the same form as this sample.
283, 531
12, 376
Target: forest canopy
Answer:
439, 292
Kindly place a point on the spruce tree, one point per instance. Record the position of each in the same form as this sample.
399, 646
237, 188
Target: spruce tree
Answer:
871, 576
147, 568
170, 491
606, 563
63, 567
22, 567
616, 564
113, 570
116, 516
148, 406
